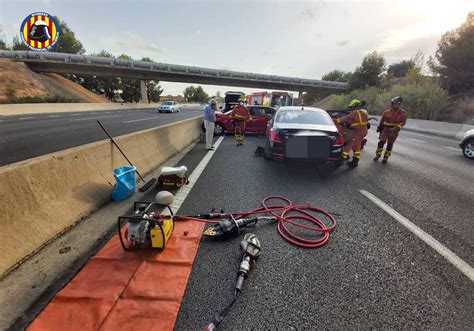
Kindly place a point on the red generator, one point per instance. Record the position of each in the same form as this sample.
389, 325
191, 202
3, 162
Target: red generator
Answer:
172, 177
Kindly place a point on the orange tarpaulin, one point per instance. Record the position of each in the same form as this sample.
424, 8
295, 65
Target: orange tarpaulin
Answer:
118, 290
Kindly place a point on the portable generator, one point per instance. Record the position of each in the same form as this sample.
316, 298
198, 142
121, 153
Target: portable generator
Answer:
172, 177
145, 227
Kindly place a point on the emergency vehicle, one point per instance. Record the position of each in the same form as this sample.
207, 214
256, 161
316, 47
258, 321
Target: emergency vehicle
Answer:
270, 99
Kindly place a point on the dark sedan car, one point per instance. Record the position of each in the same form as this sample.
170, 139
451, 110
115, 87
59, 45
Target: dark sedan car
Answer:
303, 133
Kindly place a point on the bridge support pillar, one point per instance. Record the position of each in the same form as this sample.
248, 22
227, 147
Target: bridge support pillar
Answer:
301, 98
143, 91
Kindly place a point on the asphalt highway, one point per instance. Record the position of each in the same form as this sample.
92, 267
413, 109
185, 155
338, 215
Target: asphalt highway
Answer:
373, 273
26, 136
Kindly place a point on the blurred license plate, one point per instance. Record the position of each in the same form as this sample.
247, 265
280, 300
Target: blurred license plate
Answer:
313, 147
297, 147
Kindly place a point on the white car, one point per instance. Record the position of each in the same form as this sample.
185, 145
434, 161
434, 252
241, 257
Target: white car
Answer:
467, 144
169, 107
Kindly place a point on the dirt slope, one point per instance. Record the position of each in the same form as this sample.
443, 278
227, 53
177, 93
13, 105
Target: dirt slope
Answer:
15, 77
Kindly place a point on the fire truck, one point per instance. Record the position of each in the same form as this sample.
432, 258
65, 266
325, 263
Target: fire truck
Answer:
270, 99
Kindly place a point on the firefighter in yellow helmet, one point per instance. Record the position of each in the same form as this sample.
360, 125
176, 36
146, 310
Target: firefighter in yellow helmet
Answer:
357, 121
240, 115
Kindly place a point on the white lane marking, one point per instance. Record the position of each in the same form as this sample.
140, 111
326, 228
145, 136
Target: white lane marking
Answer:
77, 114
183, 192
142, 119
51, 116
3, 142
92, 118
43, 134
26, 118
429, 240
454, 149
427, 136
420, 141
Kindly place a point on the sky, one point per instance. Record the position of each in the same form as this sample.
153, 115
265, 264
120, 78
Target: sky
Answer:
290, 38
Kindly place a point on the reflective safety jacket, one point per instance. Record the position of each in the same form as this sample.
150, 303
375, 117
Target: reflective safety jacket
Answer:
240, 113
394, 118
357, 119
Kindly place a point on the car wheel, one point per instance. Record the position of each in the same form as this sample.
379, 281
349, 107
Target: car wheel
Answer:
468, 149
218, 130
159, 111
266, 154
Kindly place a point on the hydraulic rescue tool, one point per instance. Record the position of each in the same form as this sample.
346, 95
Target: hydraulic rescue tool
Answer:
250, 248
145, 227
149, 228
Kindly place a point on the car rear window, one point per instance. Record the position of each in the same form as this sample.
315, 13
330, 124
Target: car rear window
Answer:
303, 117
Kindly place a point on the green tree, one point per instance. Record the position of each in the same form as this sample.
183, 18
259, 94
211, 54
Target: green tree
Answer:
189, 92
130, 87
337, 76
154, 90
107, 86
17, 45
3, 45
401, 68
454, 58
369, 73
195, 94
67, 42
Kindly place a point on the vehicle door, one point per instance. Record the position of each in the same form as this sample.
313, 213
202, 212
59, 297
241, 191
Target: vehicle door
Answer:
259, 120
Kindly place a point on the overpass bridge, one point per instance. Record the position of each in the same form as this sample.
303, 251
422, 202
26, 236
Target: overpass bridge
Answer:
63, 63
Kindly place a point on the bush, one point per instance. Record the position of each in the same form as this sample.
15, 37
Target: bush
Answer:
423, 101
460, 110
37, 99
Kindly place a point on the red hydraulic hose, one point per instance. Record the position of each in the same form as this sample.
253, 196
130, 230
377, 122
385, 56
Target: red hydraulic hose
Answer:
288, 213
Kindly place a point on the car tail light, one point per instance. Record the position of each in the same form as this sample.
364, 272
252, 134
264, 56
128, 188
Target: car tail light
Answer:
339, 140
274, 136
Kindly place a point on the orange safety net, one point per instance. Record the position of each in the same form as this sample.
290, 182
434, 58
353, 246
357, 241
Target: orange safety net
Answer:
118, 290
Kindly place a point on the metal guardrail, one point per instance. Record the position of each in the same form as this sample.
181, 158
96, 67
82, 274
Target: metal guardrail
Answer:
31, 56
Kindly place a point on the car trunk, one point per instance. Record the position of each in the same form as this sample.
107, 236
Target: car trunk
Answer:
307, 144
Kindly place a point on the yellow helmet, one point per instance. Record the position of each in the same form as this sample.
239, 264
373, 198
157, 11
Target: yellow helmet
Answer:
354, 103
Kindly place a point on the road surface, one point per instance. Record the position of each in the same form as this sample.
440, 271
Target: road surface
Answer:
26, 136
375, 272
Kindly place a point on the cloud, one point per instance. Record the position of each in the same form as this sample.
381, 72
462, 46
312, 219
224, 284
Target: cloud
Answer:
308, 13
131, 43
200, 32
408, 49
342, 43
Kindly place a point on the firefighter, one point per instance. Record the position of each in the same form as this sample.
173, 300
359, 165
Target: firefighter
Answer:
390, 124
357, 120
240, 115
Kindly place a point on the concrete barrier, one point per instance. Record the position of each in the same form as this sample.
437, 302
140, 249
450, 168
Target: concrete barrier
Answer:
43, 196
42, 108
444, 129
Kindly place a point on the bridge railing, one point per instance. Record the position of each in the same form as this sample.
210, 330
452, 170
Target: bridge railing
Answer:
31, 56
